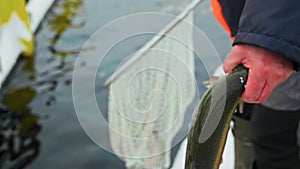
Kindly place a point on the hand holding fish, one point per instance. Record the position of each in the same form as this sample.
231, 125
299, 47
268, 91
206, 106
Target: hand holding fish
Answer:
266, 70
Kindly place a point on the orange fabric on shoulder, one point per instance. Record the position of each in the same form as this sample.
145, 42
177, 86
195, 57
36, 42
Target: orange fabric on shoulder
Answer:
217, 12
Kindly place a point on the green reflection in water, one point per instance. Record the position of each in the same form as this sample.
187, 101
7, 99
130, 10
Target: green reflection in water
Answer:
19, 128
17, 100
63, 20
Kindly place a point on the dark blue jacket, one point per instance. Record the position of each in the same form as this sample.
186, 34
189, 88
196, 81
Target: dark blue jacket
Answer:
270, 24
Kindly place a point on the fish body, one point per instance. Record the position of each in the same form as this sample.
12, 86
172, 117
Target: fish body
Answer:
209, 129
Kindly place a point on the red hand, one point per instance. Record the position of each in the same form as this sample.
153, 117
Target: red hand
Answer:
266, 70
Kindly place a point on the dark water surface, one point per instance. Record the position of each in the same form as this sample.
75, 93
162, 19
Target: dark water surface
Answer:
39, 127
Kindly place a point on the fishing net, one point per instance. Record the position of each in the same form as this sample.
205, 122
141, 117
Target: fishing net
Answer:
148, 100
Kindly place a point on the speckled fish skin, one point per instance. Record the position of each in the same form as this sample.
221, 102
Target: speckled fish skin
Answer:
208, 154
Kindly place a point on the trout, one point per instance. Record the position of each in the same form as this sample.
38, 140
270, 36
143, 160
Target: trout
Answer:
210, 125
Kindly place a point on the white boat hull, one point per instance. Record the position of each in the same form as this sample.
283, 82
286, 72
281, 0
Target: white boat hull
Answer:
14, 32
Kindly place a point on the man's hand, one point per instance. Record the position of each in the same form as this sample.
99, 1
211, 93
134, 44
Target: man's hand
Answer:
266, 70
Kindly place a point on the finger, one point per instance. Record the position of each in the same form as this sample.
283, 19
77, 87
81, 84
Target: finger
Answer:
254, 87
231, 62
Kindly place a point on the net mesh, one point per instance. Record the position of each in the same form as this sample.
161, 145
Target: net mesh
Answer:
147, 102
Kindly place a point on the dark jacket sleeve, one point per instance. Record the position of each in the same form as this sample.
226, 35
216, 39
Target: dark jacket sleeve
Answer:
273, 25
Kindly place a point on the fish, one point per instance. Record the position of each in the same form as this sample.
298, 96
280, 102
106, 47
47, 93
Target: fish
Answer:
208, 132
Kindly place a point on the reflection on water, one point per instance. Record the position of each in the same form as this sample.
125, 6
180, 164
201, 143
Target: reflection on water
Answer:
18, 130
62, 20
19, 127
63, 16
